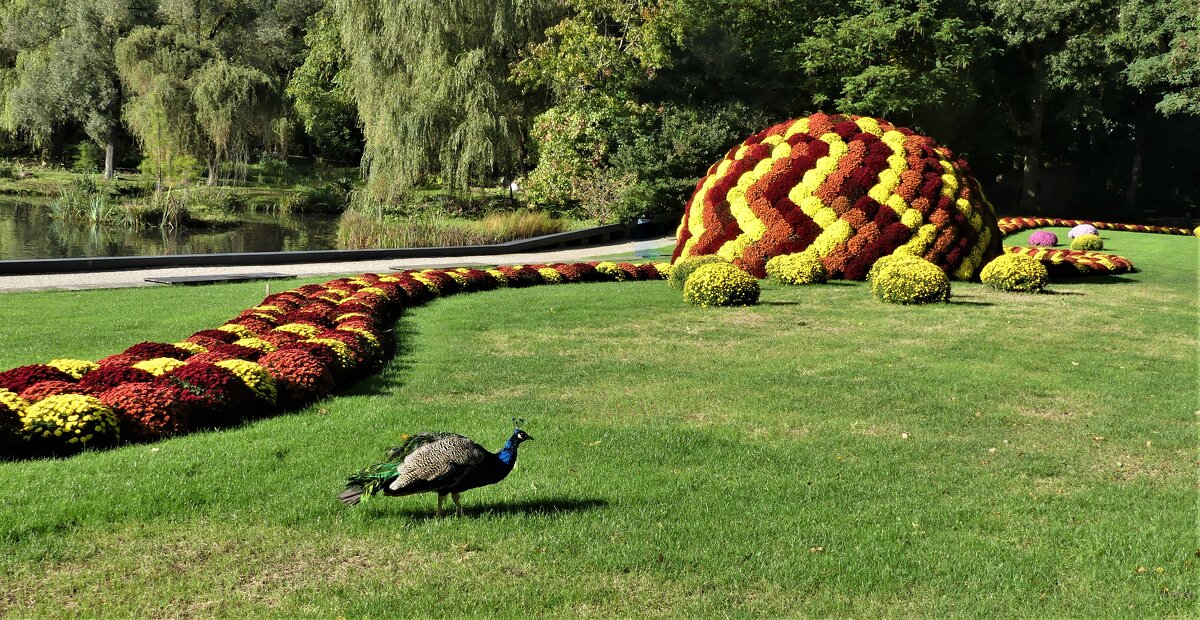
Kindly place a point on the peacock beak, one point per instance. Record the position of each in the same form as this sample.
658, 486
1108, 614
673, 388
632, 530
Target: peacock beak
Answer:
528, 437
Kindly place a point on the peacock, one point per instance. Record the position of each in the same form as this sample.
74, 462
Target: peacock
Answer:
447, 463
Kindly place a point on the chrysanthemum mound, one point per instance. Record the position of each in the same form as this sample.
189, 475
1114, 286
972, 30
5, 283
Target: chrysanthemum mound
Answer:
906, 279
1015, 272
1043, 238
848, 189
799, 268
1087, 243
683, 269
1082, 229
720, 284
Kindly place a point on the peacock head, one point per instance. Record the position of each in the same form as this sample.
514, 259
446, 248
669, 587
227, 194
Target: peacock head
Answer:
519, 435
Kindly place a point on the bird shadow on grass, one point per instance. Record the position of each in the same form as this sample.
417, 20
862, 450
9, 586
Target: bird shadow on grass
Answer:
551, 507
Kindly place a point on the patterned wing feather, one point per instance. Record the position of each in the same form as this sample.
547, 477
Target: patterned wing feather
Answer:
437, 464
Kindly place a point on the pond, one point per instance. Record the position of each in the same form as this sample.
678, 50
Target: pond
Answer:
27, 231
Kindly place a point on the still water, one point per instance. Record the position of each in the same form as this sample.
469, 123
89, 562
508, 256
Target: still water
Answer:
27, 231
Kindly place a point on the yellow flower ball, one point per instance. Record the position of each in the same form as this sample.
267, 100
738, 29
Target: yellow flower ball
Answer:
908, 280
720, 284
1015, 272
190, 347
611, 270
67, 417
551, 275
13, 401
798, 268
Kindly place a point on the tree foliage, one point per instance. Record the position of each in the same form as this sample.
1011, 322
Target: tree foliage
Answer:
430, 80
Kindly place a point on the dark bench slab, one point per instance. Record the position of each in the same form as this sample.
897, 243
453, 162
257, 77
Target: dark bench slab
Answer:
215, 278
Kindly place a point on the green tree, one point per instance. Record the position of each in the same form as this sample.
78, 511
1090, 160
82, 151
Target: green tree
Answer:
65, 71
320, 90
430, 81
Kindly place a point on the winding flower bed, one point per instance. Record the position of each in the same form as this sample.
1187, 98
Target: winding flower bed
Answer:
1067, 263
291, 349
1010, 225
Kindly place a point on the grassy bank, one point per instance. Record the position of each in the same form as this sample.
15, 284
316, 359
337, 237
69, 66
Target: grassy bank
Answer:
819, 454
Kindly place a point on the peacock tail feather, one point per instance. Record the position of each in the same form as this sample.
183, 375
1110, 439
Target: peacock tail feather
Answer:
372, 479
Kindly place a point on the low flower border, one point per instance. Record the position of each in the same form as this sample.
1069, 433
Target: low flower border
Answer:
216, 374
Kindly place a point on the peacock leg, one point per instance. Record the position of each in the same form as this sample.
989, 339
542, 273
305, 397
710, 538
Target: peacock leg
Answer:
457, 502
441, 498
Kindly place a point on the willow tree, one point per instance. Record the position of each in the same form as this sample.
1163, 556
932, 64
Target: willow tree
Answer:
430, 80
64, 70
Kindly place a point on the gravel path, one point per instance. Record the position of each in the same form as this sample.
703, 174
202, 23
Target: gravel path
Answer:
137, 277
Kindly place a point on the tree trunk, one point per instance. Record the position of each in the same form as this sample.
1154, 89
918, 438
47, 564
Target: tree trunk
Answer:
1034, 165
1135, 172
109, 151
212, 173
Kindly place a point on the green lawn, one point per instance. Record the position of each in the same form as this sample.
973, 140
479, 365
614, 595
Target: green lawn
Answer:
821, 454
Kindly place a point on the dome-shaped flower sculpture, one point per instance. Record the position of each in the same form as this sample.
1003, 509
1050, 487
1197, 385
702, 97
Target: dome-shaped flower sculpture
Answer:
906, 279
798, 268
68, 422
1082, 229
1015, 272
1087, 243
849, 189
1043, 238
720, 284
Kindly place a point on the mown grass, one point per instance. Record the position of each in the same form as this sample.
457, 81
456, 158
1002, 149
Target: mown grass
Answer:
819, 454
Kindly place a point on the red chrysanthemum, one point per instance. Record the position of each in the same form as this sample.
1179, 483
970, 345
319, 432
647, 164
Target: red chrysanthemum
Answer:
578, 272
300, 376
148, 410
108, 377
215, 334
228, 352
21, 377
216, 396
42, 389
149, 350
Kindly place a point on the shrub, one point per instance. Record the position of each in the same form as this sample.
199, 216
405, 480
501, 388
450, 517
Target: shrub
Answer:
87, 158
68, 422
1043, 238
798, 268
720, 284
1015, 272
10, 429
8, 170
1087, 243
909, 280
1082, 229
683, 268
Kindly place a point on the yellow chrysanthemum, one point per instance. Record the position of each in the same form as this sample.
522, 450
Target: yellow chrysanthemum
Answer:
302, 329
75, 368
159, 366
190, 347
256, 343
254, 376
240, 330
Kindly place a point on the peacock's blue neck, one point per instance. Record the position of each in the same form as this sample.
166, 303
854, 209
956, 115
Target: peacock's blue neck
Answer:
508, 454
